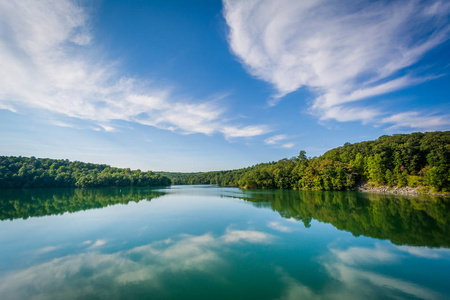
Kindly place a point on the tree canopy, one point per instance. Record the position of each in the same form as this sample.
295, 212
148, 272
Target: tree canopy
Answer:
31, 172
417, 159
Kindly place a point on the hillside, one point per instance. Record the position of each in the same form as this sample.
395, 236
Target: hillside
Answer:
31, 172
417, 159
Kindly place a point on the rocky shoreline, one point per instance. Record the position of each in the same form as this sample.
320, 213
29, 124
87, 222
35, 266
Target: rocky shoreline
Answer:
406, 190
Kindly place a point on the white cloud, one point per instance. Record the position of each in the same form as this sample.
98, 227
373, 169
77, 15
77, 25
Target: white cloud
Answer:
288, 145
346, 114
344, 51
414, 120
246, 131
60, 124
275, 139
49, 62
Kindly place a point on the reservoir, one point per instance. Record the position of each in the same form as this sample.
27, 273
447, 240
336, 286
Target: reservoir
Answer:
210, 242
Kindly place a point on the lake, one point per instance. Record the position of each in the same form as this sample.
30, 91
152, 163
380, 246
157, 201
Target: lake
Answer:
208, 242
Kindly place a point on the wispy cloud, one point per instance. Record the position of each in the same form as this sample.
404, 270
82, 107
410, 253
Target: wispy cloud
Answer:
415, 120
50, 61
344, 52
245, 131
287, 145
277, 140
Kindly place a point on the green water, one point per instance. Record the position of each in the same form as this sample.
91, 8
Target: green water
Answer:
207, 242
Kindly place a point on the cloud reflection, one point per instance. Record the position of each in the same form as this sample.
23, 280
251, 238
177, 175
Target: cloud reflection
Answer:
425, 252
353, 284
104, 275
277, 226
361, 255
257, 237
98, 243
351, 279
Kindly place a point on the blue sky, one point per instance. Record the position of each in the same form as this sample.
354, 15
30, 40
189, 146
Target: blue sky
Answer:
213, 85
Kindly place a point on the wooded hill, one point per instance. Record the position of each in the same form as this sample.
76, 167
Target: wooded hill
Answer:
31, 172
417, 159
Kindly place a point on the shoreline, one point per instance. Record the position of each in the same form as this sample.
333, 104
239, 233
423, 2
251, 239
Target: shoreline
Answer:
406, 190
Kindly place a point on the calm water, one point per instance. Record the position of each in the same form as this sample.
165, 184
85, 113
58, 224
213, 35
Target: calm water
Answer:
206, 242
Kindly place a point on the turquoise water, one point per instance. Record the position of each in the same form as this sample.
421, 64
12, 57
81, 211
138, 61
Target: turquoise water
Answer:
207, 242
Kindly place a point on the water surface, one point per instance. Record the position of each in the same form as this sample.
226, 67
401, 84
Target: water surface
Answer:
207, 242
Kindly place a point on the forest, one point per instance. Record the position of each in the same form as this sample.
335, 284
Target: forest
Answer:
415, 160
24, 172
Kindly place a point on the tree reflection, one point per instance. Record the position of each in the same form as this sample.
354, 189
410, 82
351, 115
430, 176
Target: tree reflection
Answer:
415, 221
22, 204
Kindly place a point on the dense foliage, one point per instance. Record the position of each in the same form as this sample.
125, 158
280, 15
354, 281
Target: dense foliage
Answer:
24, 172
223, 178
417, 159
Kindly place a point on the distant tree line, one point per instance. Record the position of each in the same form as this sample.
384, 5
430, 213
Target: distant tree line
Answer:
31, 172
417, 159
223, 178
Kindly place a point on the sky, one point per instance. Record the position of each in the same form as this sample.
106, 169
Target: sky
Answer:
206, 85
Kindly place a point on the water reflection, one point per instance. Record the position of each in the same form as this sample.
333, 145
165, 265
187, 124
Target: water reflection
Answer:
22, 204
181, 265
381, 270
203, 243
148, 269
415, 221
